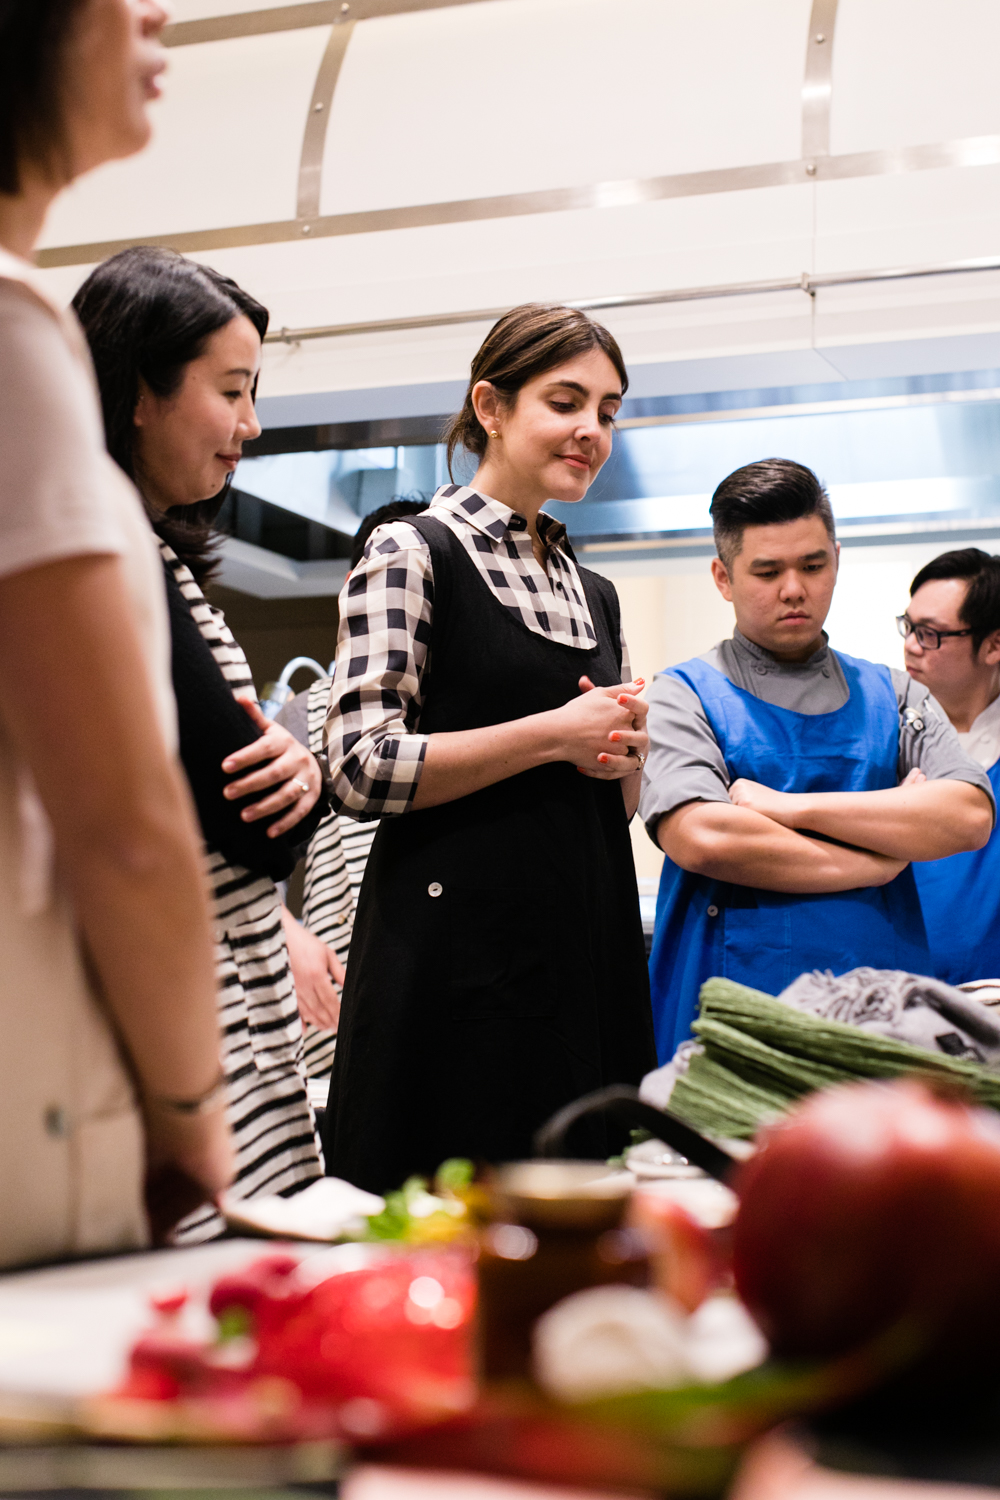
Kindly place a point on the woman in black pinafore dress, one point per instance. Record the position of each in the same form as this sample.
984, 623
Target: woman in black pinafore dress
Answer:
497, 968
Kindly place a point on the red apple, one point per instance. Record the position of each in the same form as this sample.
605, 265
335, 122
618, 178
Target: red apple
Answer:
875, 1206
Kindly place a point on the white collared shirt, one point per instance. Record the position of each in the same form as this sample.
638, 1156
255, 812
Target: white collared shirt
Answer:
982, 742
375, 749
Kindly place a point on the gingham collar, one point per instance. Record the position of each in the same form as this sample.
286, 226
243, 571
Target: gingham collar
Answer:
492, 517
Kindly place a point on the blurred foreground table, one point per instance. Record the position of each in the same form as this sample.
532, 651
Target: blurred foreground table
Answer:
65, 1332
777, 1468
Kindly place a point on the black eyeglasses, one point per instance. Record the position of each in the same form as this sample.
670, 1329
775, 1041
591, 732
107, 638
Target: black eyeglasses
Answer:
926, 635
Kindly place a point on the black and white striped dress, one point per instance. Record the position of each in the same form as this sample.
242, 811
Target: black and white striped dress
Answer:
335, 866
268, 1110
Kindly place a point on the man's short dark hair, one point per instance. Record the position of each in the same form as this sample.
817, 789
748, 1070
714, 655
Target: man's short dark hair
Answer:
771, 491
33, 36
390, 512
980, 609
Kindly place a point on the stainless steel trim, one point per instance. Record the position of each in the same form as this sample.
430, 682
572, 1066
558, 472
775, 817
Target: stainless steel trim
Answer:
976, 151
318, 120
973, 151
458, 211
292, 18
815, 408
941, 530
491, 314
377, 432
252, 23
391, 432
700, 544
804, 283
899, 273
817, 86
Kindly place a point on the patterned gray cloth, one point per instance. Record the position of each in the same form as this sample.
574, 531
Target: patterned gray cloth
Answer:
375, 748
909, 1007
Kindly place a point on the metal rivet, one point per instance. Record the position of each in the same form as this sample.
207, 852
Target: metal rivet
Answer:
435, 888
810, 169
344, 8
318, 108
56, 1123
820, 38
307, 229
713, 911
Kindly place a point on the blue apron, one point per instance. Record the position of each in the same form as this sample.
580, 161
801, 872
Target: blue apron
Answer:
960, 897
765, 939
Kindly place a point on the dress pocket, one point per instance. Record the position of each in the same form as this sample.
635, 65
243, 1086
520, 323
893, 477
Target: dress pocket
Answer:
497, 970
256, 992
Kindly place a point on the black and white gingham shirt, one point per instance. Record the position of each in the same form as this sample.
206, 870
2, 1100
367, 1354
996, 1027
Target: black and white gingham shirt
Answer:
375, 749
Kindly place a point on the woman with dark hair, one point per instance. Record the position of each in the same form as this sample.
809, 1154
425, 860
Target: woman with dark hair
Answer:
177, 351
109, 1068
481, 708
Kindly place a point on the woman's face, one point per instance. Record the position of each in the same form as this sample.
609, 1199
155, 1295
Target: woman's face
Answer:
557, 436
112, 60
187, 445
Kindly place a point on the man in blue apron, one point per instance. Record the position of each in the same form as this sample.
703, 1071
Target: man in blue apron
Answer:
789, 785
952, 632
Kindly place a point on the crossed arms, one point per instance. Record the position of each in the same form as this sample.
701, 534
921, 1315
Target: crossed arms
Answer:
761, 837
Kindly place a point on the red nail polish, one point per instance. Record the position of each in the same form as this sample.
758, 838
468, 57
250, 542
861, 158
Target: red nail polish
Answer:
614, 735
623, 699
603, 759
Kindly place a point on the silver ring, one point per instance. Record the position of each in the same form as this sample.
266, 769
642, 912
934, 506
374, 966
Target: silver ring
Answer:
301, 784
641, 759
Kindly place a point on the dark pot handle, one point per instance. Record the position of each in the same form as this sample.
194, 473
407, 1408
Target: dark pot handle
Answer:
623, 1104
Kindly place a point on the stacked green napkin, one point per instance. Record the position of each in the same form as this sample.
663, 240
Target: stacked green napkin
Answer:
761, 1055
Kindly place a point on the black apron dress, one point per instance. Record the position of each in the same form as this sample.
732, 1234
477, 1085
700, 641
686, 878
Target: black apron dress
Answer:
497, 966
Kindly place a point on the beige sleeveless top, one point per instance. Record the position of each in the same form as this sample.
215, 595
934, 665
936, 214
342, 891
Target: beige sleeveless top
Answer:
71, 1150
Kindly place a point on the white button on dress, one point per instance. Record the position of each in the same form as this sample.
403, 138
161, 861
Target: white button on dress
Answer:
434, 889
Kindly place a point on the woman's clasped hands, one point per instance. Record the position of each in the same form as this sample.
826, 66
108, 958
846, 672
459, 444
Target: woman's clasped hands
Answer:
603, 731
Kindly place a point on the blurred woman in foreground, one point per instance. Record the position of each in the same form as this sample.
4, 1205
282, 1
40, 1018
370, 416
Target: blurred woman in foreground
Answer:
109, 1069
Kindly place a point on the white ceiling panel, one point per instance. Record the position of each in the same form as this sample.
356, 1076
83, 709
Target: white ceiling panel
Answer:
908, 219
522, 95
911, 72
226, 148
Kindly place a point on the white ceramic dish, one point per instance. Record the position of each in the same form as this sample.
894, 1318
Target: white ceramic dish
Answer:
324, 1211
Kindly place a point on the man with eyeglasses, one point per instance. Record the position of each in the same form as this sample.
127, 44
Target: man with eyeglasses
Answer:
789, 785
952, 634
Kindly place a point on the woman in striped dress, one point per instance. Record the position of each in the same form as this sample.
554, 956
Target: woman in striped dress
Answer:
177, 351
334, 869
